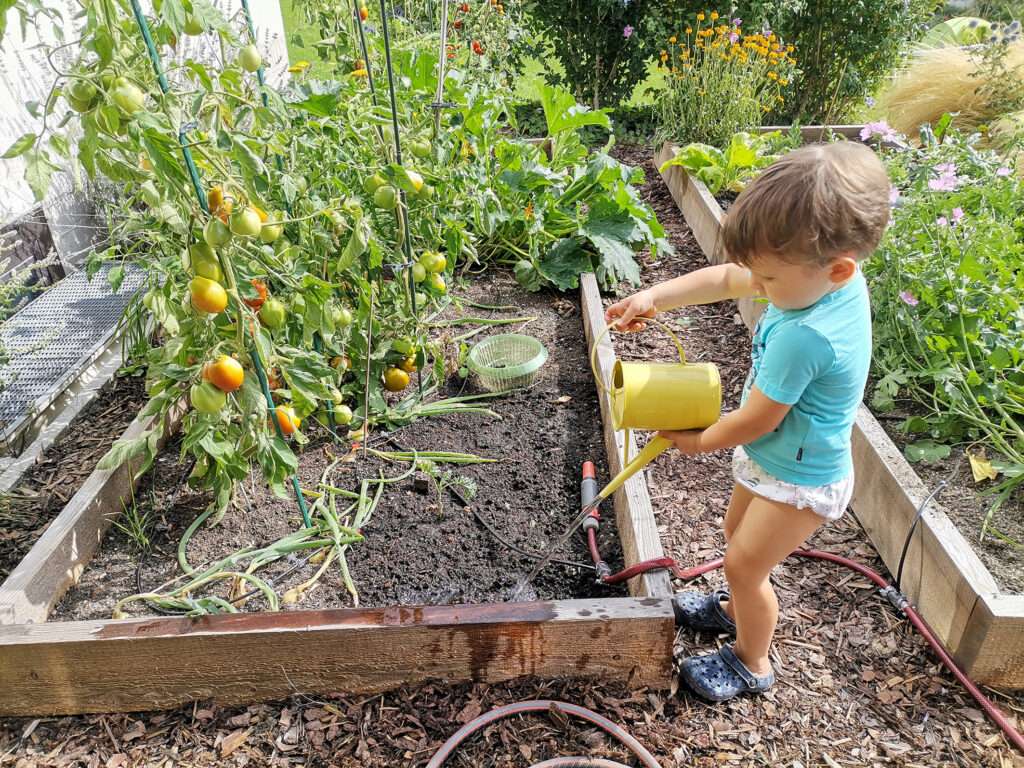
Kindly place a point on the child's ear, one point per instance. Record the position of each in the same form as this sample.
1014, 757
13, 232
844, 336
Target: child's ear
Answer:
842, 267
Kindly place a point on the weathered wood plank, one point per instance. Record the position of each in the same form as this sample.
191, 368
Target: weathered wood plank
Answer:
993, 641
139, 664
942, 576
59, 557
634, 515
705, 217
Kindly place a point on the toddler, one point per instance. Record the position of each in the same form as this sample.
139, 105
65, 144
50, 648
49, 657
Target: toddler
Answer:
795, 236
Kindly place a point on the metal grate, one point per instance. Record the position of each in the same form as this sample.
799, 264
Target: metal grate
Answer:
56, 336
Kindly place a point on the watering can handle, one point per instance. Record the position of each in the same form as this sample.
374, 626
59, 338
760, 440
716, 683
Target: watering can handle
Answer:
597, 341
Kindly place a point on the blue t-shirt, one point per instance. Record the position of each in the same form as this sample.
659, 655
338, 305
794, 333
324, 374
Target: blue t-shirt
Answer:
815, 359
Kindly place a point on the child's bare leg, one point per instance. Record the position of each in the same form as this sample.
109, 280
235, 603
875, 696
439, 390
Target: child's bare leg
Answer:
738, 503
768, 532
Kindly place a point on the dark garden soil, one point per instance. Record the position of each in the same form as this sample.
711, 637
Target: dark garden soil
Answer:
27, 511
856, 686
419, 548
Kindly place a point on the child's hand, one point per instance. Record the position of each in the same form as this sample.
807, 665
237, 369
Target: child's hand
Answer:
631, 312
687, 441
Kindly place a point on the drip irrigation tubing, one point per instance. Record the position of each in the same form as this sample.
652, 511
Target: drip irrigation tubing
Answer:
542, 705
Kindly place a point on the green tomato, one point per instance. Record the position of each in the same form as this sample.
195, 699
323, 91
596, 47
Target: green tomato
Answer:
270, 232
372, 183
342, 414
342, 317
147, 299
420, 148
108, 122
245, 223
404, 346
207, 398
419, 272
249, 58
216, 233
79, 105
192, 26
128, 96
204, 262
426, 192
82, 90
433, 262
386, 197
335, 396
437, 283
272, 314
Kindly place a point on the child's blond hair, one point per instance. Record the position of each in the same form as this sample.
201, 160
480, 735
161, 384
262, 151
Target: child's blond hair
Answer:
810, 205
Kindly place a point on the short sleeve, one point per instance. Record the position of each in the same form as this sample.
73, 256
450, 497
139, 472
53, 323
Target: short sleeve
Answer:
793, 357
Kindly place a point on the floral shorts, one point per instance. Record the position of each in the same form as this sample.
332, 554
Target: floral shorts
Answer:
829, 501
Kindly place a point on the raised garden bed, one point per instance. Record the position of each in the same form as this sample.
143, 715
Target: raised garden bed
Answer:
138, 663
943, 577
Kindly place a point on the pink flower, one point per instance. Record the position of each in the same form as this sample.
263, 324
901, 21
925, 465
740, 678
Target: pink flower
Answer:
958, 213
1003, 171
737, 22
946, 167
878, 129
946, 181
894, 193
733, 37
941, 221
628, 31
909, 298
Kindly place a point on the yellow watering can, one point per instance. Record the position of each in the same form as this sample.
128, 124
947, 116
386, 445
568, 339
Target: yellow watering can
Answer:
674, 396
648, 396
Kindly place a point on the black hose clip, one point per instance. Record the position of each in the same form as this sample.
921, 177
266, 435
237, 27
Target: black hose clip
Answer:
897, 598
603, 571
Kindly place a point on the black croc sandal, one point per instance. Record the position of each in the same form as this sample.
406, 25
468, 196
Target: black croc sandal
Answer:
722, 676
703, 612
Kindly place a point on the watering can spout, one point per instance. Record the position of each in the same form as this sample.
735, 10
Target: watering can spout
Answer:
646, 456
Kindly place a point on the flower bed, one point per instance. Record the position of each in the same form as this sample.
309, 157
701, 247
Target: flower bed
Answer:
942, 575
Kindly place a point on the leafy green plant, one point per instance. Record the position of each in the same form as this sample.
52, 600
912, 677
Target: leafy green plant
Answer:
946, 287
732, 168
845, 50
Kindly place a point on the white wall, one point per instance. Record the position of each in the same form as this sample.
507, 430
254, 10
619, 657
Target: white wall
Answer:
25, 75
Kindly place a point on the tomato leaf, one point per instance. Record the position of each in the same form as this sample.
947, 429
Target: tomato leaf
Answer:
356, 245
210, 18
247, 159
38, 172
173, 13
116, 277
125, 450
21, 146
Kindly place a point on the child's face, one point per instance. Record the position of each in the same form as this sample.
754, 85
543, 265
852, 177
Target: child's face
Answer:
798, 286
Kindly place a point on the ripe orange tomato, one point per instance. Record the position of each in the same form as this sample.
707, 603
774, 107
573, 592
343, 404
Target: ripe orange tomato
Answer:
207, 295
286, 419
261, 289
218, 204
225, 373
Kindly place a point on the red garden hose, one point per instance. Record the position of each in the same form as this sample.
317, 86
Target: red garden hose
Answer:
899, 602
542, 705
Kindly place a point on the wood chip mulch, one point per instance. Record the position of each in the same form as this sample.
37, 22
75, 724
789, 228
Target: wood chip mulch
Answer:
856, 685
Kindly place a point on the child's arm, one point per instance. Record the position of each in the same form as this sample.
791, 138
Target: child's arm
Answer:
758, 416
705, 286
